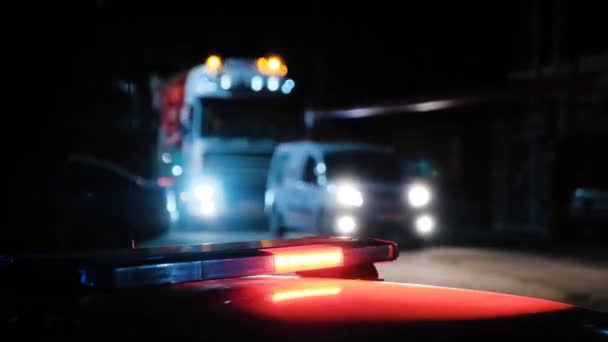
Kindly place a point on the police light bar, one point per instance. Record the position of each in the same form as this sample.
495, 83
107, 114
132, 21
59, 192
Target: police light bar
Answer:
167, 265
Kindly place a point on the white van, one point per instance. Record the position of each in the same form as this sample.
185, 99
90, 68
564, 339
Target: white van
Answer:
345, 189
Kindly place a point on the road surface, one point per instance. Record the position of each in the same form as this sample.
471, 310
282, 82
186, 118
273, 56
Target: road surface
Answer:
563, 279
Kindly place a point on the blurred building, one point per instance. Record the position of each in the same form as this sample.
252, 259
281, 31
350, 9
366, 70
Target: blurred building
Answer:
555, 145
508, 159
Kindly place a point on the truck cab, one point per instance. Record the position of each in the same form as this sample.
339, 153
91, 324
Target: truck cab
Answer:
235, 113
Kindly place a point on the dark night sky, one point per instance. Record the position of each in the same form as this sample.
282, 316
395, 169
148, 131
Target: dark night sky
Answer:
423, 48
352, 58
79, 51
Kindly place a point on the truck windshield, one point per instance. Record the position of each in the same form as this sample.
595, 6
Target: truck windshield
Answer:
249, 167
268, 118
364, 165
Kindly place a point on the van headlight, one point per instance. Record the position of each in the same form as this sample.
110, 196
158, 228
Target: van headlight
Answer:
348, 195
425, 225
418, 195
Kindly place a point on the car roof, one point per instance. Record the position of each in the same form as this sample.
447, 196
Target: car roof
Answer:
332, 146
274, 306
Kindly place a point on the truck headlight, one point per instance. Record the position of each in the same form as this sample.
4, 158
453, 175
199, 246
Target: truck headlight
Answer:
204, 192
208, 208
207, 198
418, 195
348, 195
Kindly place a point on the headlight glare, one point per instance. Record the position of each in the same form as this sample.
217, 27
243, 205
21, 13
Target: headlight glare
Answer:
348, 195
204, 191
419, 195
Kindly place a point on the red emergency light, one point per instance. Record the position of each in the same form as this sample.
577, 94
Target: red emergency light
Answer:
295, 259
165, 182
217, 261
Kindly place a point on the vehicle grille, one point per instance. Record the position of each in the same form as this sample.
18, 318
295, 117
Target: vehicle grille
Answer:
384, 199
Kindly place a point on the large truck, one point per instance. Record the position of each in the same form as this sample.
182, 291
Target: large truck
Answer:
220, 122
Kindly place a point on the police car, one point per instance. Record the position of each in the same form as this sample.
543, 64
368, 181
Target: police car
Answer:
303, 289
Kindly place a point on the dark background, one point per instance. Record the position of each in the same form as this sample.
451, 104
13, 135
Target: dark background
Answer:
82, 49
69, 59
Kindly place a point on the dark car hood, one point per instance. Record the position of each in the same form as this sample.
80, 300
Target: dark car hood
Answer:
325, 309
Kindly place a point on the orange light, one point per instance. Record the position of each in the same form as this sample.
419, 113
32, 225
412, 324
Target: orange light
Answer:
214, 63
274, 63
271, 66
294, 259
304, 293
261, 64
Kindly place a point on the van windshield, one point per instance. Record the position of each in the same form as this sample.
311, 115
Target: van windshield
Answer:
373, 166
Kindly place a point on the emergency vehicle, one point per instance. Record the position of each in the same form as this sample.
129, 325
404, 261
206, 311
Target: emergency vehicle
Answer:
312, 289
220, 123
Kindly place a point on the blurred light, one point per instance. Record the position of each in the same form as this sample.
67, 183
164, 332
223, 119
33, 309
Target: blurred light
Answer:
177, 170
204, 191
304, 293
285, 90
171, 205
261, 64
349, 195
273, 83
183, 196
425, 225
272, 66
418, 195
274, 63
164, 182
294, 259
320, 168
208, 209
214, 63
166, 158
225, 82
287, 86
268, 198
432, 105
346, 225
257, 82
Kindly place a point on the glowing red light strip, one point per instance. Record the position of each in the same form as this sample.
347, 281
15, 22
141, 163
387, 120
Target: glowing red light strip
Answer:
294, 259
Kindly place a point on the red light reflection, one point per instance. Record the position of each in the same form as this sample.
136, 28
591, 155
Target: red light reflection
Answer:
279, 296
328, 300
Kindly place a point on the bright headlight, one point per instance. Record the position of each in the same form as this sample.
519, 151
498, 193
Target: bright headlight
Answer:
425, 225
204, 192
346, 225
208, 208
349, 195
419, 195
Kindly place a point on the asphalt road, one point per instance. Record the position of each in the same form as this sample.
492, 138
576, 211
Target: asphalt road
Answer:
532, 274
